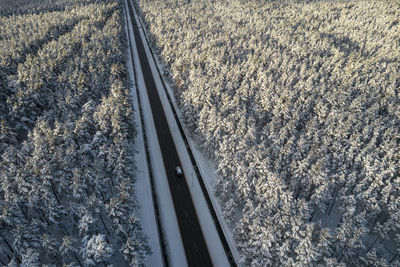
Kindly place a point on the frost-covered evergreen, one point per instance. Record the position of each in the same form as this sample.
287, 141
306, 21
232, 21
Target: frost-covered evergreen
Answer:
67, 170
95, 250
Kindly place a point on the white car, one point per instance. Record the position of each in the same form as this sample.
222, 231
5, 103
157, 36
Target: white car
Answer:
178, 171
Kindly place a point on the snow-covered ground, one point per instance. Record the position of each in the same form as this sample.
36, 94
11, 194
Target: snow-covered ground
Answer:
206, 168
169, 225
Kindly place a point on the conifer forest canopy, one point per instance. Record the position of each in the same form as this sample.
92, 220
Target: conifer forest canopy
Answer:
66, 133
298, 105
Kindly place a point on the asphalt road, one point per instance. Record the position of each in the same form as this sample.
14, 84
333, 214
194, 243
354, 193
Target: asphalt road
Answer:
193, 240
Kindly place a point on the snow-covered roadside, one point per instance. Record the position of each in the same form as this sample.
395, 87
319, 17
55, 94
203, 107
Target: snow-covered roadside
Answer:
208, 172
143, 191
170, 231
206, 168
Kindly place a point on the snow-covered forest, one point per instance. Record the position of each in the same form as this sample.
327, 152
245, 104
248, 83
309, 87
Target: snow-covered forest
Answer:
298, 104
66, 133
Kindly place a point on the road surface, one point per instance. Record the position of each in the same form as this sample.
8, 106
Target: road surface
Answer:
192, 237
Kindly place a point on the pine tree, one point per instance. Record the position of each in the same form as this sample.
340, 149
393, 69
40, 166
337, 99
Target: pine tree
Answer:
95, 250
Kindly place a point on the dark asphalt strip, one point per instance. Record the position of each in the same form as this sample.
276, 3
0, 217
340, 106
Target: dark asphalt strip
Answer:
192, 237
195, 166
